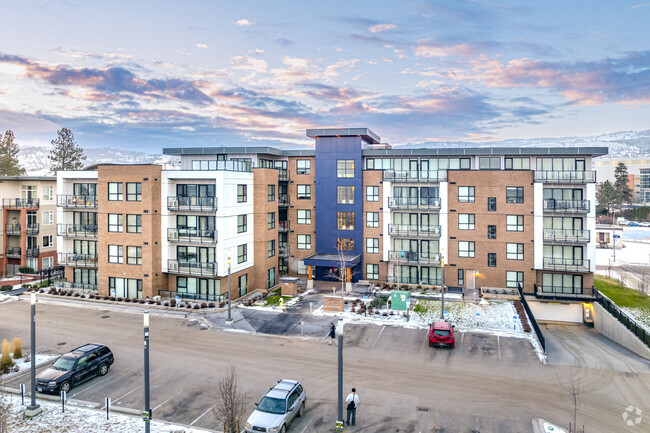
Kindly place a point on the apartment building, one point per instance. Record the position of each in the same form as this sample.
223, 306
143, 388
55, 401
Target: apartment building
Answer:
28, 237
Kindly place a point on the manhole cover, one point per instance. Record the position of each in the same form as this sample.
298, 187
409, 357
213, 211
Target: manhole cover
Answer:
106, 316
423, 409
61, 344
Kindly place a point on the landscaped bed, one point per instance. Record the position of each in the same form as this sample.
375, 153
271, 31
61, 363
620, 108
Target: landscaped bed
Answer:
633, 302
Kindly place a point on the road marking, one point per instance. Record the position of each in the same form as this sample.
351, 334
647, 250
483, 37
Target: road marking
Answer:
201, 416
462, 337
173, 395
307, 425
382, 330
100, 382
117, 400
499, 346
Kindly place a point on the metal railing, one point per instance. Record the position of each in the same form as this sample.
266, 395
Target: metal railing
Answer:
283, 200
283, 226
408, 280
414, 230
624, 318
192, 268
78, 260
283, 175
80, 286
77, 230
192, 203
588, 176
566, 206
20, 203
560, 292
531, 317
415, 257
566, 235
76, 201
192, 236
12, 229
32, 229
13, 252
414, 175
414, 202
32, 252
170, 294
562, 264
283, 251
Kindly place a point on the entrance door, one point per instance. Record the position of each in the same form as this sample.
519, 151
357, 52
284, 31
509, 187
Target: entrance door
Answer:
470, 279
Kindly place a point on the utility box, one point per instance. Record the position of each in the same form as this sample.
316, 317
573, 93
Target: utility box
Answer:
289, 286
399, 300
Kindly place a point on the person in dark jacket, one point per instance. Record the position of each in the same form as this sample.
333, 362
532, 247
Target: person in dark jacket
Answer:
332, 333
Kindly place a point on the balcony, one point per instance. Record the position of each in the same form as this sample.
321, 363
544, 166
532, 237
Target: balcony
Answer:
77, 201
561, 292
283, 200
192, 236
409, 280
414, 230
424, 203
13, 252
78, 260
283, 226
188, 267
77, 230
20, 203
32, 229
31, 252
193, 203
561, 235
79, 286
414, 257
283, 175
565, 176
209, 297
12, 229
567, 265
283, 251
414, 175
566, 206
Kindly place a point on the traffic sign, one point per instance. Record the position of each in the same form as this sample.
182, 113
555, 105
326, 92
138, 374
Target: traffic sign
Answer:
617, 236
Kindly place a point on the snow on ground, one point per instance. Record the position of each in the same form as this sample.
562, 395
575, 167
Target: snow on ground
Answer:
25, 365
641, 316
7, 298
632, 253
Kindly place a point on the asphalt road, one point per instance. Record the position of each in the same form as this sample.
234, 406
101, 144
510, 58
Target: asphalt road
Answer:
486, 384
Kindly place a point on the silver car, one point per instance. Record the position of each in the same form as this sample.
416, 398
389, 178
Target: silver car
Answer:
285, 401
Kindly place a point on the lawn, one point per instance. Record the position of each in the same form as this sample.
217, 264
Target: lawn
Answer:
274, 300
630, 300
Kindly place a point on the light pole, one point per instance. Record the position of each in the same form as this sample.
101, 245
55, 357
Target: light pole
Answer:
442, 285
33, 409
340, 393
229, 321
147, 403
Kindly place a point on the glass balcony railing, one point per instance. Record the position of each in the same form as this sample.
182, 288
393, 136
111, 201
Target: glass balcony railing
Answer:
562, 235
568, 206
32, 252
283, 175
283, 200
411, 280
78, 260
77, 230
563, 264
20, 203
13, 252
565, 176
414, 230
414, 175
76, 201
192, 203
189, 267
79, 286
283, 251
192, 235
414, 257
430, 203
12, 229
283, 226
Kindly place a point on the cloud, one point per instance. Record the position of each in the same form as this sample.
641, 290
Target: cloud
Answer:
255, 51
203, 46
243, 22
436, 48
284, 42
378, 28
248, 63
640, 5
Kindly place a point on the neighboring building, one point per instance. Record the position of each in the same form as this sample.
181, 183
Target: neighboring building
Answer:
607, 235
28, 237
638, 175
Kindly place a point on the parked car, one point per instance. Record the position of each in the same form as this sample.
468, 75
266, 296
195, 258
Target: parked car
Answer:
441, 333
285, 401
75, 367
633, 224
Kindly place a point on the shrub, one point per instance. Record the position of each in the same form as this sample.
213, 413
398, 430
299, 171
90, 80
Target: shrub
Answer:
41, 291
188, 305
211, 305
141, 301
5, 359
26, 286
6, 287
69, 293
157, 302
385, 314
204, 305
221, 304
196, 306
105, 298
120, 299
76, 294
17, 345
26, 270
379, 301
172, 303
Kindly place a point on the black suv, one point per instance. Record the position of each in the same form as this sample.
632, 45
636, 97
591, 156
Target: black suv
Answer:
79, 365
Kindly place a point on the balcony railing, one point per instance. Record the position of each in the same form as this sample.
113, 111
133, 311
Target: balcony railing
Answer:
76, 201
188, 267
283, 175
77, 230
12, 229
79, 286
192, 203
562, 235
13, 252
414, 230
283, 251
566, 206
561, 292
283, 200
32, 229
414, 175
78, 260
32, 252
18, 203
209, 297
414, 257
192, 236
283, 226
409, 280
569, 265
565, 176
431, 203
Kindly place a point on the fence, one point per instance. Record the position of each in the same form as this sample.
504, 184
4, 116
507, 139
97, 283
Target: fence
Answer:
538, 331
624, 318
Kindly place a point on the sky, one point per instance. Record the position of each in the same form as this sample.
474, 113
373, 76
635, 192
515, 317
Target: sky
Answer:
143, 75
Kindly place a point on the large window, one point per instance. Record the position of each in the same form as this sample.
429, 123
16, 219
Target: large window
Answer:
48, 217
465, 249
345, 168
345, 220
345, 194
48, 194
242, 193
242, 253
270, 248
134, 223
345, 244
372, 245
466, 194
515, 251
303, 166
514, 279
270, 220
304, 242
303, 192
270, 192
115, 191
514, 194
199, 288
372, 219
561, 283
115, 254
133, 191
242, 282
372, 272
492, 232
133, 255
125, 287
489, 163
115, 222
492, 260
515, 223
465, 221
242, 223
517, 163
372, 193
304, 216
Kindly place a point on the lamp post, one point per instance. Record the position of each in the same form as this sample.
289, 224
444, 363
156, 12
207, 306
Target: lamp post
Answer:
340, 393
147, 403
33, 409
442, 287
229, 321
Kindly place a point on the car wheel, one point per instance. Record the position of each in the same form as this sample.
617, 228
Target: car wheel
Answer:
103, 369
65, 386
283, 429
302, 409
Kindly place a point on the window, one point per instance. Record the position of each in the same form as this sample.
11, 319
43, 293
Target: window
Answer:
489, 163
304, 216
48, 241
115, 254
270, 248
199, 288
303, 166
465, 249
372, 245
270, 192
242, 253
561, 283
133, 255
134, 223
372, 193
492, 204
345, 220
345, 244
492, 260
372, 272
242, 193
125, 287
304, 242
242, 223
115, 191
242, 282
461, 277
466, 221
304, 192
492, 232
48, 194
372, 219
115, 222
466, 194
514, 194
345, 194
515, 223
345, 168
48, 217
270, 281
270, 220
301, 267
514, 279
517, 163
133, 191
515, 251
48, 262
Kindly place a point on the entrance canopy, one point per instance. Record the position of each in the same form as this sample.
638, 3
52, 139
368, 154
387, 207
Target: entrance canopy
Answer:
332, 260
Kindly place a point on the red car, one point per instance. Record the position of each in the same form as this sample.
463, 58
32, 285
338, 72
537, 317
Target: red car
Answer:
441, 334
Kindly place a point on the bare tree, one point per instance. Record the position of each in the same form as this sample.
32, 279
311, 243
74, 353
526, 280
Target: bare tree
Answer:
572, 386
343, 246
231, 402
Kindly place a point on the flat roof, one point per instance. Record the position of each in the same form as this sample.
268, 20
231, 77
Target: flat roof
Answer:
364, 133
218, 150
44, 178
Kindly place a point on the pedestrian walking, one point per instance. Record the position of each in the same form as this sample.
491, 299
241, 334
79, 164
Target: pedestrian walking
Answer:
332, 333
353, 401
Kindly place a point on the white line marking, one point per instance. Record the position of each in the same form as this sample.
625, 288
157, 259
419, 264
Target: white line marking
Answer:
307, 425
462, 337
201, 416
173, 395
382, 330
117, 400
100, 382
499, 346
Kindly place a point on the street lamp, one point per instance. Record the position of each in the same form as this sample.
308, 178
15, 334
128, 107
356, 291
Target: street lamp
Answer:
340, 393
146, 416
33, 409
442, 286
229, 321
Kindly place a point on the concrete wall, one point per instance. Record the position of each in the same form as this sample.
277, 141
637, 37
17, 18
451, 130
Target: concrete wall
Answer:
556, 312
611, 328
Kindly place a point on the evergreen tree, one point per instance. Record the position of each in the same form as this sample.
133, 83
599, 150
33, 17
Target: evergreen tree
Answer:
9, 165
606, 194
66, 155
622, 186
